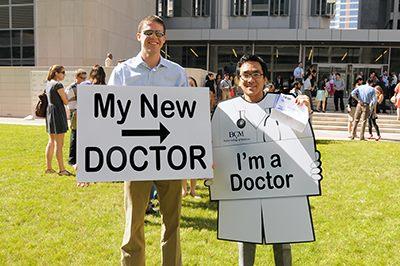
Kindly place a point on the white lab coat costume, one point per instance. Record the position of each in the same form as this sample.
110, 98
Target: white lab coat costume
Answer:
266, 220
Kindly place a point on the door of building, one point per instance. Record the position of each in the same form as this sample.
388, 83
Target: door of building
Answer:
364, 70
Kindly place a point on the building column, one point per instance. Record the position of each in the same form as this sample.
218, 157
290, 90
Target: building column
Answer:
395, 14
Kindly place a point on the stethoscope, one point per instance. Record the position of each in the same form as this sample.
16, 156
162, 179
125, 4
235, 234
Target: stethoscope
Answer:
241, 123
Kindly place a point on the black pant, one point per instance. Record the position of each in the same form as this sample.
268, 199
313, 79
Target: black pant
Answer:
372, 122
338, 96
72, 148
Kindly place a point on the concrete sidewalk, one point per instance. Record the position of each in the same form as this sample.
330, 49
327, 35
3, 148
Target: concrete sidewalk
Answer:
319, 134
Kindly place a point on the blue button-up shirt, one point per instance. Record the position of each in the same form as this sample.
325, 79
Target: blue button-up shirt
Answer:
365, 93
135, 72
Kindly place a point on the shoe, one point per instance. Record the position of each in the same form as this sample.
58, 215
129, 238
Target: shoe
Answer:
371, 136
194, 195
50, 171
64, 173
378, 138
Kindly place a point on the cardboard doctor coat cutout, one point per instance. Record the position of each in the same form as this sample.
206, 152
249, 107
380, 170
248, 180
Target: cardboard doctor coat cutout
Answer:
263, 174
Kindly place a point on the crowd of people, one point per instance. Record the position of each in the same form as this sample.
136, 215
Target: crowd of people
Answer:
317, 87
252, 83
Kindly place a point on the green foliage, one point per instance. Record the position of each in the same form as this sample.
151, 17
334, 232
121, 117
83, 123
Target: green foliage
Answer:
47, 220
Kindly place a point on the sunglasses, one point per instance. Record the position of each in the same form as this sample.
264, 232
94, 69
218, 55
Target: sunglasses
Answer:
158, 33
63, 72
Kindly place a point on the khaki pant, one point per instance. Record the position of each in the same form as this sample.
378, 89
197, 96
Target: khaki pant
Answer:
136, 199
362, 113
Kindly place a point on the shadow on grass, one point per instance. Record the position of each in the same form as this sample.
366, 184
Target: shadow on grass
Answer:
199, 223
326, 142
212, 206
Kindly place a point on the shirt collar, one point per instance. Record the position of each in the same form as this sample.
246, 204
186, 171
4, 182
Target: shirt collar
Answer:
138, 60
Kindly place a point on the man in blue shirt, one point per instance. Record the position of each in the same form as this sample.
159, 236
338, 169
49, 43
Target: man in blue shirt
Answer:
148, 68
366, 98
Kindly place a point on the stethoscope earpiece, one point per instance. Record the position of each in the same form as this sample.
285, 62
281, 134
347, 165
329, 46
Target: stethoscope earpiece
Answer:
241, 123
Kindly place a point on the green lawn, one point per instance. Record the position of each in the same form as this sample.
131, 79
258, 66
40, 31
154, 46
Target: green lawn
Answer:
46, 220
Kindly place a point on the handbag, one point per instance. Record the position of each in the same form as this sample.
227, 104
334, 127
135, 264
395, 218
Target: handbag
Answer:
41, 106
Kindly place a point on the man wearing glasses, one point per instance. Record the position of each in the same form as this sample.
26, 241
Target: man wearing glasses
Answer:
260, 220
148, 68
72, 91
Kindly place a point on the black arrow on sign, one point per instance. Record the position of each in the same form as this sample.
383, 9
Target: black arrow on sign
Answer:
163, 132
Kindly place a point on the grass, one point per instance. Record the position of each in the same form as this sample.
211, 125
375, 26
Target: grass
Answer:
46, 220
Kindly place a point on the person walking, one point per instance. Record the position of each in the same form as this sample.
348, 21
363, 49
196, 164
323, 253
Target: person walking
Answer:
373, 116
339, 92
351, 107
308, 88
149, 68
397, 100
56, 119
225, 86
365, 97
72, 92
322, 93
108, 62
298, 72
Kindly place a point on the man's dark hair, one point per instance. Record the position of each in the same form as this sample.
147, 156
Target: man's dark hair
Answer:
252, 58
337, 74
152, 18
358, 79
297, 83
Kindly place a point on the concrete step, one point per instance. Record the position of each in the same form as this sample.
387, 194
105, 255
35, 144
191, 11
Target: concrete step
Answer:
344, 120
344, 123
341, 115
344, 128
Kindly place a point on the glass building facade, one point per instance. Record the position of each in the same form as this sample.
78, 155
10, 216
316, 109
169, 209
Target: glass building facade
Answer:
17, 36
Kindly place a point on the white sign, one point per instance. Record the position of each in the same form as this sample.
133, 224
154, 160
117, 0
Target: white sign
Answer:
289, 113
143, 133
264, 172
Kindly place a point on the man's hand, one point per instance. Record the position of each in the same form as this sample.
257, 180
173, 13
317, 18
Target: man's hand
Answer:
316, 168
303, 100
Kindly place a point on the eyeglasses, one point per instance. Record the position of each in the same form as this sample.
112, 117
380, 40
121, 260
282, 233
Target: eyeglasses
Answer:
63, 72
158, 33
248, 76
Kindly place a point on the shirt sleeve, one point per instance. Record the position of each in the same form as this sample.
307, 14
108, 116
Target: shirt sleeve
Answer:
183, 80
115, 77
354, 92
70, 93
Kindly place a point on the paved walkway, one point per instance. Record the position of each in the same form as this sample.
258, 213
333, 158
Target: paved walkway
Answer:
319, 134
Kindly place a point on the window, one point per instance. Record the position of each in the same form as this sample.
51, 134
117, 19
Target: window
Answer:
270, 7
17, 45
322, 7
22, 16
188, 55
4, 17
165, 8
239, 7
260, 7
201, 8
279, 7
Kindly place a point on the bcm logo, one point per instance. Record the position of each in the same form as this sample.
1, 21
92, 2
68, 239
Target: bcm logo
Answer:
236, 134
